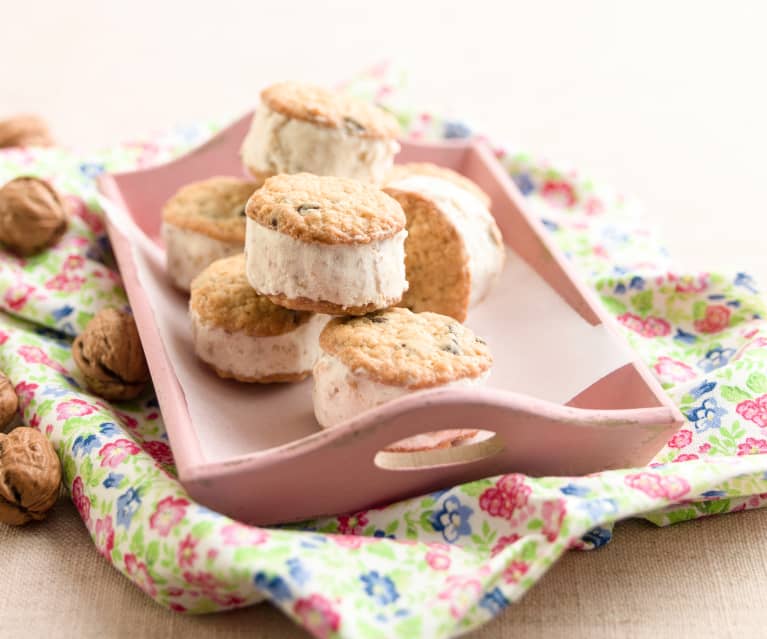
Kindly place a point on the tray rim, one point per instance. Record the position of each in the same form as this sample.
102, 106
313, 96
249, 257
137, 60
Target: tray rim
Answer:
191, 463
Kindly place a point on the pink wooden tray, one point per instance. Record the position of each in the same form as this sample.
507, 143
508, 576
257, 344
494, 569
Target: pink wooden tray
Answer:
282, 467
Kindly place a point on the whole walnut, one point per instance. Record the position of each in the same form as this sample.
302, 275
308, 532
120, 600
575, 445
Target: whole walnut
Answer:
109, 355
32, 215
9, 402
30, 475
24, 130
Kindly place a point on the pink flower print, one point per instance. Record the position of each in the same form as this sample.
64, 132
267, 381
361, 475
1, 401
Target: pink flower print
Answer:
3, 337
704, 448
62, 282
352, 524
80, 499
502, 542
685, 457
169, 512
509, 494
690, 284
140, 574
681, 439
515, 571
754, 410
716, 319
159, 451
73, 262
655, 485
559, 193
671, 370
113, 453
78, 208
317, 615
240, 535
186, 552
36, 355
437, 561
593, 206
752, 446
74, 408
127, 420
553, 513
649, 327
104, 536
462, 593
351, 542
26, 393
17, 295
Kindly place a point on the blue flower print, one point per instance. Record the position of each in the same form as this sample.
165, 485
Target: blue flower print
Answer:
297, 571
275, 587
91, 169
454, 129
637, 283
85, 444
380, 588
597, 536
598, 508
716, 358
706, 416
524, 183
684, 337
575, 490
453, 520
113, 480
127, 505
620, 288
55, 391
381, 534
551, 226
108, 428
61, 313
713, 493
746, 281
701, 389
494, 601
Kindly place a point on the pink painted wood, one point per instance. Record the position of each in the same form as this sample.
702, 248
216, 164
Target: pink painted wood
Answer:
619, 421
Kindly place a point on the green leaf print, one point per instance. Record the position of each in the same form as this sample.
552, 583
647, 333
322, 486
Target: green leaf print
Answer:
757, 382
137, 543
203, 529
734, 394
614, 305
476, 488
152, 552
642, 302
699, 309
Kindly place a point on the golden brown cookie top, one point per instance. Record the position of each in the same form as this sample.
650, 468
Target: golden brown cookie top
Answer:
401, 348
330, 109
402, 171
325, 210
214, 207
221, 296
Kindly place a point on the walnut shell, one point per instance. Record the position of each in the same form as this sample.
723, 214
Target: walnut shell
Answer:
9, 402
24, 130
32, 215
109, 355
30, 475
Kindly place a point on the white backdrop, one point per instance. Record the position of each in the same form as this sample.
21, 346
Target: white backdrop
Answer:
667, 100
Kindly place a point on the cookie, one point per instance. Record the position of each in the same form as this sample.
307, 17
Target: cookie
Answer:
402, 171
370, 360
203, 222
244, 336
454, 249
304, 128
325, 244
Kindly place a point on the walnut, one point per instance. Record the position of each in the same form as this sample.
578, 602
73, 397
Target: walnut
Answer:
30, 475
9, 402
24, 130
32, 215
109, 355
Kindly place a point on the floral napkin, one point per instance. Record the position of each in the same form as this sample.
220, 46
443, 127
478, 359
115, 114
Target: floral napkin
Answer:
433, 566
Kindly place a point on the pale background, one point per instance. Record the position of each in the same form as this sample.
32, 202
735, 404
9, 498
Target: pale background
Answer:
664, 99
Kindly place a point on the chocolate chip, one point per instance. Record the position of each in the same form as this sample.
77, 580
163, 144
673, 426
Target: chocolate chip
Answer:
480, 340
353, 126
378, 319
273, 222
307, 208
451, 348
242, 212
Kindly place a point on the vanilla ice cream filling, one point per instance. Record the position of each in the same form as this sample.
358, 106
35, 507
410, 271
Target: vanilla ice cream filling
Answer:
188, 253
345, 274
248, 356
474, 224
279, 144
340, 393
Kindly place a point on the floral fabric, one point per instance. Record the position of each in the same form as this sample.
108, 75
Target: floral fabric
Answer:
436, 565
